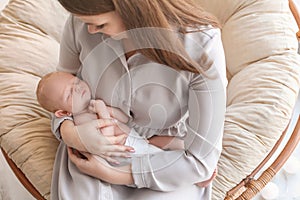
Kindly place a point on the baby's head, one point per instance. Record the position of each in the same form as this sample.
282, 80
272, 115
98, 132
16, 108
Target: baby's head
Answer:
63, 94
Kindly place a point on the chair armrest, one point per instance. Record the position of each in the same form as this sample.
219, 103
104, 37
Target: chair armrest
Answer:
296, 15
249, 186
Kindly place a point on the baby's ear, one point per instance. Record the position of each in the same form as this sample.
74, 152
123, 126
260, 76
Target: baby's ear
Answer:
62, 113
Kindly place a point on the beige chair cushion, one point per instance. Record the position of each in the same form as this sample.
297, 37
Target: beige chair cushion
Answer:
262, 64
263, 68
29, 35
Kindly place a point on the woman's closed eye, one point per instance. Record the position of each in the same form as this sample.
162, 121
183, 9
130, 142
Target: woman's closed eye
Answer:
96, 27
99, 27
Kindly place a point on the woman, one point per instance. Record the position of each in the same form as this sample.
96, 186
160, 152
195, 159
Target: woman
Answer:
162, 63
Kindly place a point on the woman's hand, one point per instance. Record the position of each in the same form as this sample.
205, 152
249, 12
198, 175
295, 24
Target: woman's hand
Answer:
207, 182
99, 168
87, 137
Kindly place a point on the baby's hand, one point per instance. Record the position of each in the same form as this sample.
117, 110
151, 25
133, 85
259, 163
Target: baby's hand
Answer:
99, 107
207, 182
103, 111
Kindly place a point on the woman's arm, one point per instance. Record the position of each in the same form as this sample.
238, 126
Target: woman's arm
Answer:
203, 141
69, 136
167, 142
88, 137
99, 168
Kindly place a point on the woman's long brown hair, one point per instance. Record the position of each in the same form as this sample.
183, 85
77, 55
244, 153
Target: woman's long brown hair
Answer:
161, 45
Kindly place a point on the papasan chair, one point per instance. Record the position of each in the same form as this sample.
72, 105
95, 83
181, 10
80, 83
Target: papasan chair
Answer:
263, 70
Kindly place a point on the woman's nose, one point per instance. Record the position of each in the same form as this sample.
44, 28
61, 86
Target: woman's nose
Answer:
92, 29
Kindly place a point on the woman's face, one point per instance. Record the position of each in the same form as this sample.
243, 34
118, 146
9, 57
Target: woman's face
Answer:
109, 23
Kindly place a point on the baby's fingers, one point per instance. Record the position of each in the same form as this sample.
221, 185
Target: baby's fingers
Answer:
92, 106
101, 109
109, 159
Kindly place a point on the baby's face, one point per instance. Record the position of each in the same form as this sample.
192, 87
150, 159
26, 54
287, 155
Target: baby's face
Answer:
71, 93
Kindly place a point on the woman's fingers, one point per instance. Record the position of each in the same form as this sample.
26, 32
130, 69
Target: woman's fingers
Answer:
75, 158
101, 109
207, 182
118, 148
101, 123
118, 154
90, 136
110, 160
120, 139
80, 158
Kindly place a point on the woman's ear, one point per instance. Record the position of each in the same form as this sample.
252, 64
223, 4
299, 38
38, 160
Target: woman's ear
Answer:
62, 113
